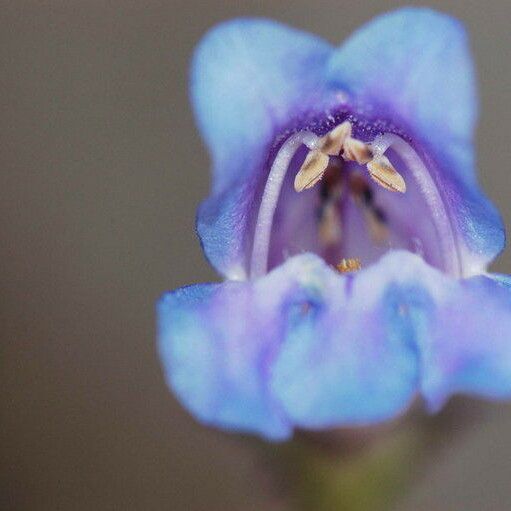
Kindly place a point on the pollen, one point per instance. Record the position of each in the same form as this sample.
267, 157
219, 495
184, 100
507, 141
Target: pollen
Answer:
382, 172
349, 265
311, 171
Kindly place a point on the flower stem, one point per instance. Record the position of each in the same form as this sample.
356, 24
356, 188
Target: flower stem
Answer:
361, 469
365, 480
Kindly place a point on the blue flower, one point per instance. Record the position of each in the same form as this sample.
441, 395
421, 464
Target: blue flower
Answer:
347, 220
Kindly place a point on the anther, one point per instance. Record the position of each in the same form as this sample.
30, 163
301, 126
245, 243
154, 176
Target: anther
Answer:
317, 159
356, 150
311, 171
349, 265
333, 142
382, 172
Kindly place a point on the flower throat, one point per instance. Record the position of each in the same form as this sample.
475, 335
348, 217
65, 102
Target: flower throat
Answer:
361, 202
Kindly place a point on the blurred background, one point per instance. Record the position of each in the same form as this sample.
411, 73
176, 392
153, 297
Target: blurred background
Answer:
101, 169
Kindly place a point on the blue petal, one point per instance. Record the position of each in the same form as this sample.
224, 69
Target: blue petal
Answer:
391, 331
307, 347
476, 221
414, 67
467, 348
214, 356
299, 347
224, 227
353, 361
248, 76
411, 66
416, 64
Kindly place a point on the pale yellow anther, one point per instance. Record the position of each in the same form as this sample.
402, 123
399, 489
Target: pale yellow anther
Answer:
356, 150
349, 265
383, 173
311, 171
333, 142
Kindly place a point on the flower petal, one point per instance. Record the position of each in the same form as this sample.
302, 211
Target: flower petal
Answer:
225, 226
308, 347
214, 356
475, 219
467, 348
415, 63
354, 361
413, 66
245, 356
248, 76
400, 327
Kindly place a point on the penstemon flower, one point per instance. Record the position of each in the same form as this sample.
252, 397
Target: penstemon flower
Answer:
347, 220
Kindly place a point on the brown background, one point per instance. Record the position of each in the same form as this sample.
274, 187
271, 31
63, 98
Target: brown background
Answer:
100, 172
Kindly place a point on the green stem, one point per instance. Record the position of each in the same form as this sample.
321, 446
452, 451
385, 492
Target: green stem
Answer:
362, 469
369, 479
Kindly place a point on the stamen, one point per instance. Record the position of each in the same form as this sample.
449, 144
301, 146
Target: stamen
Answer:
264, 223
373, 215
333, 142
430, 192
382, 171
330, 228
316, 162
311, 171
356, 150
349, 265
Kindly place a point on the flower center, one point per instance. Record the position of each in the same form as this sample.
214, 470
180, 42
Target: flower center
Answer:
350, 200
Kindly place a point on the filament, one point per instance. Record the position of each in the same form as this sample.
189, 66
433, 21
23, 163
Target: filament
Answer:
264, 223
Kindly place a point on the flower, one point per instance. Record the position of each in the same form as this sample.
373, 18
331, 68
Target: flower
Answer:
347, 220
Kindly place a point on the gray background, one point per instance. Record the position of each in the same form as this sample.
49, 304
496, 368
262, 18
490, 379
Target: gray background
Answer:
101, 171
